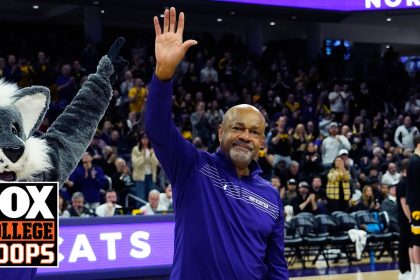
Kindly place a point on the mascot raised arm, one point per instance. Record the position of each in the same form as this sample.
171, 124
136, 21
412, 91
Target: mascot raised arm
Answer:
55, 154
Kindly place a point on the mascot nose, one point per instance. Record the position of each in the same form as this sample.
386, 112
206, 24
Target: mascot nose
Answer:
13, 152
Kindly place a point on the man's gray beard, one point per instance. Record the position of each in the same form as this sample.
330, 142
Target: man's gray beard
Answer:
240, 156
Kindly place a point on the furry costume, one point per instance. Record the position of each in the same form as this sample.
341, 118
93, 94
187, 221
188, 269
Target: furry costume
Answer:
54, 155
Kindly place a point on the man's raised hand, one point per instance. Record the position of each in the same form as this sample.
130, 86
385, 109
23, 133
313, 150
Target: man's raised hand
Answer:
169, 46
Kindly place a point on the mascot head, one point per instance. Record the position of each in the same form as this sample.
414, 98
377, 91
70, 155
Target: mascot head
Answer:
22, 156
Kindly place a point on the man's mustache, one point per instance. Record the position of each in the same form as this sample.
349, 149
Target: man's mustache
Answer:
246, 145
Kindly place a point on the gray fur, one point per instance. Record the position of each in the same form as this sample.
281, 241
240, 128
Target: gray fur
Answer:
59, 150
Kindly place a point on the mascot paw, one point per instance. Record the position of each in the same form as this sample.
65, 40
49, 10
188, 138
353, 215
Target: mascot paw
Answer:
119, 63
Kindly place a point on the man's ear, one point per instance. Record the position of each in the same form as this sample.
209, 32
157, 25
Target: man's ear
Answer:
220, 132
32, 104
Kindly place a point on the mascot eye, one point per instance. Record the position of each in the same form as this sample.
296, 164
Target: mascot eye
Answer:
15, 129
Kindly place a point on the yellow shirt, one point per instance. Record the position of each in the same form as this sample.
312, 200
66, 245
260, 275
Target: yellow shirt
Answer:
139, 95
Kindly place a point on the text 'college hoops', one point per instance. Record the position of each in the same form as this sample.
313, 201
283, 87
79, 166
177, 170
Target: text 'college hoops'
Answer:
28, 224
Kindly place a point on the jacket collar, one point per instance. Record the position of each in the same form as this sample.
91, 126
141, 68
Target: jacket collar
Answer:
254, 168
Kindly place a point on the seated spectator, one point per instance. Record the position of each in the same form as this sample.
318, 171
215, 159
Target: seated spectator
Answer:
275, 181
383, 193
77, 208
320, 195
290, 192
368, 201
153, 205
304, 201
108, 208
390, 206
62, 205
165, 199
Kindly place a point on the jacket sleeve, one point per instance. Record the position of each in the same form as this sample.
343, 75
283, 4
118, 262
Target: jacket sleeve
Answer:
70, 135
275, 260
176, 155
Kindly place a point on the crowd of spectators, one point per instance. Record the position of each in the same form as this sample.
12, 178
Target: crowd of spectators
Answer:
330, 144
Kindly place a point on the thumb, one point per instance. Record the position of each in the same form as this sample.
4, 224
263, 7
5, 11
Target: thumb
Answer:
188, 44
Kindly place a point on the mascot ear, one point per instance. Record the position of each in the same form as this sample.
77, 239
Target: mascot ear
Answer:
32, 104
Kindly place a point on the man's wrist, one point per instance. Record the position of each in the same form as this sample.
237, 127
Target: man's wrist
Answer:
164, 73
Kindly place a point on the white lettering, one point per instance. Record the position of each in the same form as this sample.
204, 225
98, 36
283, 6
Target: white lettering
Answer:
32, 251
81, 249
393, 3
17, 253
110, 238
4, 249
39, 205
369, 3
144, 247
47, 253
411, 3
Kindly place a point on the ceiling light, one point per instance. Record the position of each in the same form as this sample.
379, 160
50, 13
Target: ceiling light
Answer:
102, 11
161, 15
272, 23
387, 46
293, 17
219, 20
232, 13
35, 7
388, 19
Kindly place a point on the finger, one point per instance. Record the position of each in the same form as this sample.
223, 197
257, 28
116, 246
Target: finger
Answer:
172, 19
158, 31
188, 44
115, 48
166, 21
181, 22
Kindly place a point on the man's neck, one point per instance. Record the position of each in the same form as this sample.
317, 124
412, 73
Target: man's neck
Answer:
241, 172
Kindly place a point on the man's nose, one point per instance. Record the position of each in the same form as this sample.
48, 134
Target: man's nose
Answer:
245, 135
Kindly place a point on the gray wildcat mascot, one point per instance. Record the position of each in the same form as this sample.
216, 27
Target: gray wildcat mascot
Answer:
54, 155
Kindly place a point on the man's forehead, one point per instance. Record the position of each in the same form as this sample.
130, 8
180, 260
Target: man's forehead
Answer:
245, 115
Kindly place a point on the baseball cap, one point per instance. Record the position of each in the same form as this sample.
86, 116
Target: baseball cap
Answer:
343, 152
291, 181
333, 124
303, 184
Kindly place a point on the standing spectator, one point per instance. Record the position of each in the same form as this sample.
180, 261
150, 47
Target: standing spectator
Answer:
108, 208
338, 186
90, 180
121, 180
209, 75
200, 123
66, 86
337, 100
127, 84
43, 72
145, 166
405, 134
332, 145
12, 71
137, 96
282, 143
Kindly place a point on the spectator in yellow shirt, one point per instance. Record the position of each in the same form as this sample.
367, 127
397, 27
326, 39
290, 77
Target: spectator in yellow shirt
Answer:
137, 96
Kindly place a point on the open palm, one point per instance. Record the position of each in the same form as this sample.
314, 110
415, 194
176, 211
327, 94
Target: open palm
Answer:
169, 46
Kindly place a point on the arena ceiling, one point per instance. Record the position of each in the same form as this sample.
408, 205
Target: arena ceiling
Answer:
199, 12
